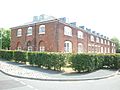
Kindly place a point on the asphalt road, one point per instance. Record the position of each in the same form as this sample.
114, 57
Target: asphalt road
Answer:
11, 83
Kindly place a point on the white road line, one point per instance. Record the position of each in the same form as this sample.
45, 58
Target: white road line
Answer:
30, 86
22, 83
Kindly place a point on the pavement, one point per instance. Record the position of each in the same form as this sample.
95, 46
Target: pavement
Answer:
20, 70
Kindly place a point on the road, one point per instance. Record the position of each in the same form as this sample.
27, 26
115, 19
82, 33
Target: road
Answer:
11, 83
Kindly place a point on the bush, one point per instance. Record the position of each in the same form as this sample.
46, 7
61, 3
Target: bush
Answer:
99, 58
20, 56
32, 57
82, 62
79, 62
8, 55
51, 60
118, 61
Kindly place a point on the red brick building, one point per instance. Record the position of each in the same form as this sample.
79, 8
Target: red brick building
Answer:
56, 35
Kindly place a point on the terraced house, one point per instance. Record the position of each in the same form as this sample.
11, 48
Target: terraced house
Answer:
46, 33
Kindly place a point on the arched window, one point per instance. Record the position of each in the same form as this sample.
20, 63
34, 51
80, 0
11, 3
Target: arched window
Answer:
29, 31
41, 47
19, 32
18, 46
80, 47
67, 31
108, 50
42, 29
67, 46
29, 46
102, 50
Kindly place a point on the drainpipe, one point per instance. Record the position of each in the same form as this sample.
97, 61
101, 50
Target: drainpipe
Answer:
35, 39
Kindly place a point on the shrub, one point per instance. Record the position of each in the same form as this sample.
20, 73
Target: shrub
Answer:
82, 62
20, 56
118, 61
50, 60
32, 57
8, 55
99, 58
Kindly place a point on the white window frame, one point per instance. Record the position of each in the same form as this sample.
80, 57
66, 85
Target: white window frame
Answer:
19, 48
105, 50
67, 31
101, 41
97, 39
29, 48
80, 48
108, 50
92, 38
80, 34
102, 50
19, 32
108, 43
68, 46
42, 29
42, 48
104, 41
29, 31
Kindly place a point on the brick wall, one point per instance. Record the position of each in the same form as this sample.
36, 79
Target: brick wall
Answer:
54, 38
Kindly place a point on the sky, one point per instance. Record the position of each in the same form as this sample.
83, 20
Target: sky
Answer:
102, 16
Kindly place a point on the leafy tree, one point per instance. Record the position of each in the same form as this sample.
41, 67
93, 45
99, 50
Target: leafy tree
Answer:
117, 43
5, 38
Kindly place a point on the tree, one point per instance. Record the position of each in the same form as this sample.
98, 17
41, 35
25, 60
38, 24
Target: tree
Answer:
117, 43
5, 38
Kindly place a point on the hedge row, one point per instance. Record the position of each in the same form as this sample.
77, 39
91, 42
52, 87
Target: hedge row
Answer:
46, 60
49, 60
79, 62
91, 62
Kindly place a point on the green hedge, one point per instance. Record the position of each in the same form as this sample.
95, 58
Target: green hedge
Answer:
79, 62
82, 62
8, 55
47, 60
20, 56
91, 62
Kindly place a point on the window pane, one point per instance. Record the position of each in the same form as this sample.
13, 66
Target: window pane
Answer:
67, 31
29, 31
42, 29
19, 32
68, 46
80, 34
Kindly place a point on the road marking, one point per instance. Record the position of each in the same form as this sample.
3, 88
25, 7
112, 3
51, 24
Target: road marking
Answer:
30, 86
22, 83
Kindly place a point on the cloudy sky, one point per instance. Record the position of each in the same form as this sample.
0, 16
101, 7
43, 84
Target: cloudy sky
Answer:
102, 16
